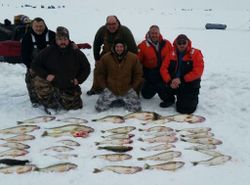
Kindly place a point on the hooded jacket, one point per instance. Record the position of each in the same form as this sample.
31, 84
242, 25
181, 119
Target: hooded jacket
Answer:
119, 75
27, 45
191, 68
66, 64
151, 59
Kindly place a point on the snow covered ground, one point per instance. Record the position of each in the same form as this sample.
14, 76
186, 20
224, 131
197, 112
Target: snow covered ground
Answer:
224, 97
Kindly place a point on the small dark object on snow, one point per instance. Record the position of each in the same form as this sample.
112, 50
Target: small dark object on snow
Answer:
13, 162
210, 26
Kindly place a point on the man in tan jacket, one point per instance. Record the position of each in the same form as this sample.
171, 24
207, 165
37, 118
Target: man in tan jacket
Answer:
120, 75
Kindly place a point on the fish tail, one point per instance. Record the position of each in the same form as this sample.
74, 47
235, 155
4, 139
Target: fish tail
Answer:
146, 166
140, 139
102, 131
140, 129
100, 148
177, 130
183, 139
195, 163
45, 133
143, 149
94, 156
19, 122
96, 170
97, 143
140, 159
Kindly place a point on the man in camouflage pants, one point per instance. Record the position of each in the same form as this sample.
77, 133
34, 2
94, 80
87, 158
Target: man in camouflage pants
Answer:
60, 69
120, 75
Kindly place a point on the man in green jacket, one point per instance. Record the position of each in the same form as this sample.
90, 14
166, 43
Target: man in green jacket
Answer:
60, 69
120, 75
103, 41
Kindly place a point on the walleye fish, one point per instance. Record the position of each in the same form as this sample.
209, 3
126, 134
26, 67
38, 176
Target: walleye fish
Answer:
22, 129
160, 120
157, 129
119, 136
158, 134
62, 156
15, 145
201, 147
120, 130
111, 118
69, 142
160, 139
38, 119
214, 161
21, 137
195, 130
71, 127
164, 156
73, 120
115, 142
187, 118
210, 153
61, 167
198, 135
114, 157
159, 147
144, 115
205, 141
119, 169
116, 148
169, 166
17, 169
13, 153
59, 148
74, 133
13, 162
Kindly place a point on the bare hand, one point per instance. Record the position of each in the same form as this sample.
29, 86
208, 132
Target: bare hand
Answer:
175, 83
50, 77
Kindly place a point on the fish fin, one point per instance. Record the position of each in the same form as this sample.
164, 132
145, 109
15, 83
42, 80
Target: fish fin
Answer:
177, 130
143, 149
182, 135
45, 133
140, 158
102, 136
96, 170
183, 139
102, 131
140, 139
94, 120
146, 166
195, 163
140, 129
19, 122
97, 143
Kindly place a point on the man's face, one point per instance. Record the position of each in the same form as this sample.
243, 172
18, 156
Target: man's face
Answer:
112, 24
182, 45
62, 42
38, 27
119, 48
154, 34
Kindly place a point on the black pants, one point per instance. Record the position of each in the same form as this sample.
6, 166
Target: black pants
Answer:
187, 98
149, 90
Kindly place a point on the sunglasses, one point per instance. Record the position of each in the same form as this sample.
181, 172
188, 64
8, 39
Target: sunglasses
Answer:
182, 43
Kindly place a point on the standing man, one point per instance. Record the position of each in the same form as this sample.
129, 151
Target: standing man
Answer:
36, 39
60, 69
104, 39
151, 53
182, 71
120, 75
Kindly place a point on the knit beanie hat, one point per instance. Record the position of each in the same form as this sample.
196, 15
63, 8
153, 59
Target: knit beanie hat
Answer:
62, 32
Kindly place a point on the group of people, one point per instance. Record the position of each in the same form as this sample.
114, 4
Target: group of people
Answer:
123, 71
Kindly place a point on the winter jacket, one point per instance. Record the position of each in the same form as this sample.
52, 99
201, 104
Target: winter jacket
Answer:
119, 76
28, 49
191, 68
151, 59
66, 64
105, 39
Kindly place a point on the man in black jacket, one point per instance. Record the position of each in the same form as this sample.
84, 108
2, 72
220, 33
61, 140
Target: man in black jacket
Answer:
60, 69
36, 39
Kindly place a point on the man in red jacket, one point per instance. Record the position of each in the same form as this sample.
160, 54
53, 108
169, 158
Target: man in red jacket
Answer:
151, 53
182, 71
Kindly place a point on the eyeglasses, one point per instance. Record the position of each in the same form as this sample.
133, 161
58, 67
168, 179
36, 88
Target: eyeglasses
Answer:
182, 43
